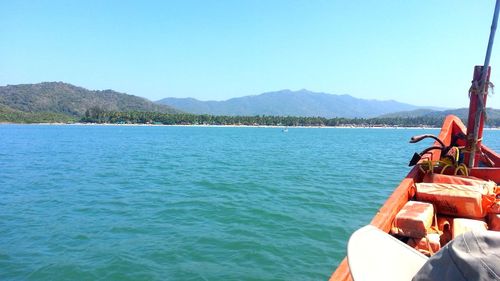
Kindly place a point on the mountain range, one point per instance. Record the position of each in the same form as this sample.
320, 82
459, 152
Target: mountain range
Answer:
291, 103
51, 101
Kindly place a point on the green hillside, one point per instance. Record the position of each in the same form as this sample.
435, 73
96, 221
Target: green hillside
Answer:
62, 101
10, 115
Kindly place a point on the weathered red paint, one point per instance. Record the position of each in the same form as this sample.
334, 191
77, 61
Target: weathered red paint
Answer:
473, 107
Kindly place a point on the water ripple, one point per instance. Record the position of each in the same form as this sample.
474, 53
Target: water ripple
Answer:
156, 203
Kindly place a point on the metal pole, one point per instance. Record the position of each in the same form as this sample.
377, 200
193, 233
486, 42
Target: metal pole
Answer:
482, 84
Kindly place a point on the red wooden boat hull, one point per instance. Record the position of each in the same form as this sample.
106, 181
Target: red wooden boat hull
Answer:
405, 191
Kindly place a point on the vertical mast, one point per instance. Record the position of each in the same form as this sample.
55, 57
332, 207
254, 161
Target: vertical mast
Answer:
477, 104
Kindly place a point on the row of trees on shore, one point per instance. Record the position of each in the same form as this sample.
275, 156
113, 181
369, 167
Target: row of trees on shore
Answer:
138, 117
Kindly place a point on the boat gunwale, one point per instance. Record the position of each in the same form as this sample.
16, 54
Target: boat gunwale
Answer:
405, 190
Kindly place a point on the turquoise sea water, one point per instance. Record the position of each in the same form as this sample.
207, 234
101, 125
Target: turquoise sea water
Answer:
190, 203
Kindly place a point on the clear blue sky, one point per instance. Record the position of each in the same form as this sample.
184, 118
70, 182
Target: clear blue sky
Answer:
419, 52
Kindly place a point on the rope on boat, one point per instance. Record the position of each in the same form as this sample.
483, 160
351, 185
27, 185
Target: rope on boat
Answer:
484, 74
462, 168
427, 166
473, 91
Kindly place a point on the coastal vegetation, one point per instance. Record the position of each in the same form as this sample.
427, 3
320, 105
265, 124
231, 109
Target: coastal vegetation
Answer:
97, 115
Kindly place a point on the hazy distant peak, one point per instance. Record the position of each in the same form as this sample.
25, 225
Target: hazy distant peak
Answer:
462, 113
288, 102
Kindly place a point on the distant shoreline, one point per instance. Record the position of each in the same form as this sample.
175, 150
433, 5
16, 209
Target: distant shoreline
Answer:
227, 126
221, 126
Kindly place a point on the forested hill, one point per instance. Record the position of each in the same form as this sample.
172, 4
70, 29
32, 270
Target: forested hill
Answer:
70, 100
291, 103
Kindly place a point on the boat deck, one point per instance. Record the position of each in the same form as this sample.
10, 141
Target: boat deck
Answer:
406, 191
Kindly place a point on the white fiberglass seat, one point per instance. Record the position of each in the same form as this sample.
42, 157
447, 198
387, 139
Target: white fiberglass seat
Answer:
375, 255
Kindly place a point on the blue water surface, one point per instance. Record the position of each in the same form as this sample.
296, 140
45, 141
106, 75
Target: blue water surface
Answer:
190, 203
